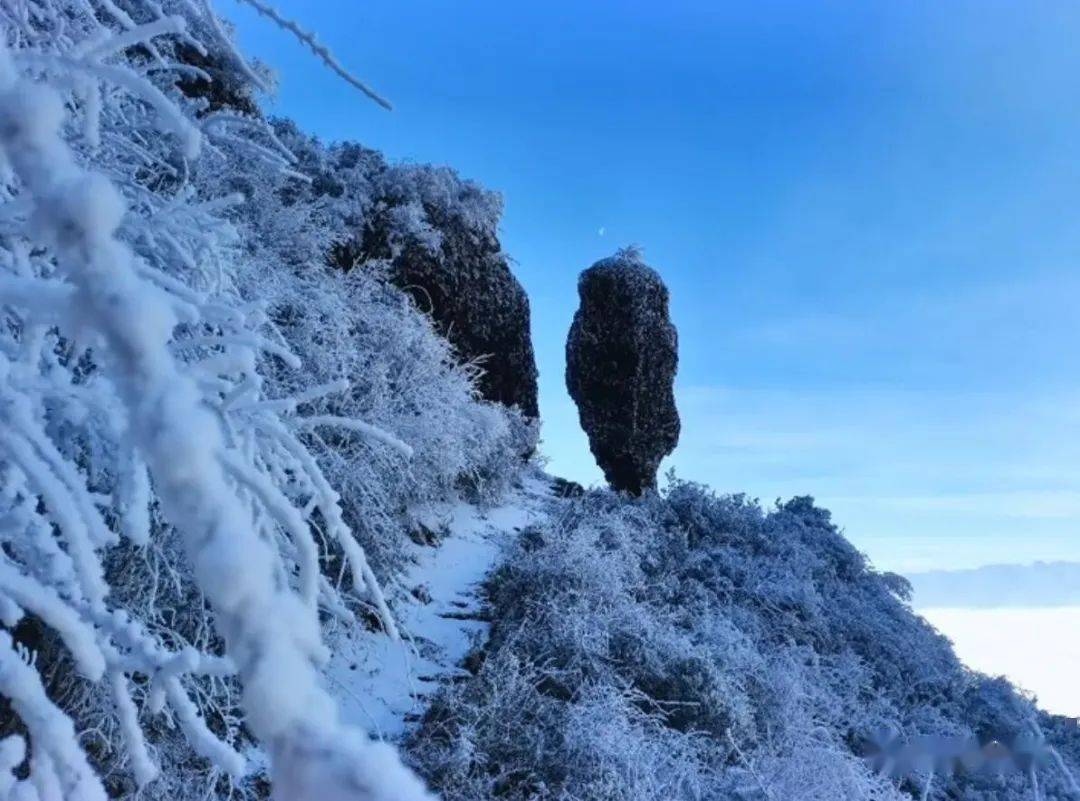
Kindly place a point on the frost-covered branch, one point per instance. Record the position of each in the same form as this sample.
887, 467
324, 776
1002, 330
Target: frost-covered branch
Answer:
59, 769
131, 405
309, 40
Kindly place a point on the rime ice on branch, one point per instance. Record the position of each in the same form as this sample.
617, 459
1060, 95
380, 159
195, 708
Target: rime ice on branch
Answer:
131, 405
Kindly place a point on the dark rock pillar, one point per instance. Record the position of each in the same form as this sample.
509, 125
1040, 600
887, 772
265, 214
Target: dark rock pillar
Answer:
621, 358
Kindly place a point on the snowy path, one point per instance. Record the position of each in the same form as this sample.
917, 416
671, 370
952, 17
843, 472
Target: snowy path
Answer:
382, 685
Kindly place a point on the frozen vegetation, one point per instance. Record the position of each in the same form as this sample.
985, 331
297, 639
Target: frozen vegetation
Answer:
696, 646
264, 532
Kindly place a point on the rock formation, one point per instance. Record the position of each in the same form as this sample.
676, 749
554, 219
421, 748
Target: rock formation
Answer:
433, 232
621, 358
436, 234
476, 303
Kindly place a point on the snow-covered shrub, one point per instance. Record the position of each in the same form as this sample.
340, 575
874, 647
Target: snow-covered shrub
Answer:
171, 472
695, 646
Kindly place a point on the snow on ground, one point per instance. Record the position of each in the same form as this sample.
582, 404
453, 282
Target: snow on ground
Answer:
383, 685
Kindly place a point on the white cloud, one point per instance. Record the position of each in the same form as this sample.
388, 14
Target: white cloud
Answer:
1035, 648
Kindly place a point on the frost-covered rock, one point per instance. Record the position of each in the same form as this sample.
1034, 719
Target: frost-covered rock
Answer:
621, 358
480, 307
436, 236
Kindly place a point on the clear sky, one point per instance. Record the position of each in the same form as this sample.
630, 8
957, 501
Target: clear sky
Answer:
866, 213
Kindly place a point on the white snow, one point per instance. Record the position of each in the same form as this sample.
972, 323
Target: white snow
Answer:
381, 684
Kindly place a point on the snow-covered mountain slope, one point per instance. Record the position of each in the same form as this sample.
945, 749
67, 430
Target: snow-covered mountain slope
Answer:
696, 646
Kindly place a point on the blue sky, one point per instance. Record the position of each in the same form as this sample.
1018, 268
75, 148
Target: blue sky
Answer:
865, 211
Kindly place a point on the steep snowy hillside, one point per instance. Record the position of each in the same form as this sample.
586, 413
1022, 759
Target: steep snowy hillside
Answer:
214, 443
268, 521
